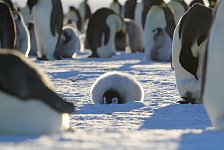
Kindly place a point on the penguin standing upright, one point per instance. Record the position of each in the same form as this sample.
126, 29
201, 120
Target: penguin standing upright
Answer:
179, 7
7, 27
158, 42
104, 25
85, 10
190, 39
28, 105
48, 18
129, 9
212, 84
33, 43
116, 87
116, 7
73, 17
23, 36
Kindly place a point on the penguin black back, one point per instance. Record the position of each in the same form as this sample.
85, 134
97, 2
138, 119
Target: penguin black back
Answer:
129, 9
97, 27
28, 82
170, 21
194, 27
7, 27
147, 4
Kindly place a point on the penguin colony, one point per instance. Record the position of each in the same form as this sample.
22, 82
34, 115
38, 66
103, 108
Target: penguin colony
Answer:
188, 36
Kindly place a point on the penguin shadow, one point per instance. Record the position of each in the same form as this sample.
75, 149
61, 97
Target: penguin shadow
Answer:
178, 117
205, 140
16, 139
109, 108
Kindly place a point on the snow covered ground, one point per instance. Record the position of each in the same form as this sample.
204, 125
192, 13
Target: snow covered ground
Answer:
157, 123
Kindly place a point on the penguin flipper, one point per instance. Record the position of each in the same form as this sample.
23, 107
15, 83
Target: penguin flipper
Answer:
56, 17
19, 77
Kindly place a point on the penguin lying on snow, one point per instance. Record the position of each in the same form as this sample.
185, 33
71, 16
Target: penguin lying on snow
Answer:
104, 25
7, 27
159, 28
190, 39
69, 43
116, 87
23, 36
212, 88
27, 103
48, 17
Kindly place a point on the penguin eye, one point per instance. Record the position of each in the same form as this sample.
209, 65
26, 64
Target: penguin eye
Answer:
155, 31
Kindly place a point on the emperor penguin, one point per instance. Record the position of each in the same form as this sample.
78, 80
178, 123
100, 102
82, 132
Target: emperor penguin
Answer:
69, 43
129, 9
138, 14
116, 88
188, 49
48, 18
212, 84
147, 4
104, 25
33, 43
196, 1
179, 8
7, 27
73, 17
158, 35
116, 7
135, 36
28, 105
85, 10
23, 36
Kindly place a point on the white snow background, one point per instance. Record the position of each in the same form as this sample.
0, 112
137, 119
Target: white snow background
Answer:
158, 123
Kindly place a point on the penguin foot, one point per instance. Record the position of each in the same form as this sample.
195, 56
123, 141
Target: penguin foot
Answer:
187, 100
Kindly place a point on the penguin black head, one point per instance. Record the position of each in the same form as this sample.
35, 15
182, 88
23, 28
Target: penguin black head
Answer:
112, 96
31, 3
196, 1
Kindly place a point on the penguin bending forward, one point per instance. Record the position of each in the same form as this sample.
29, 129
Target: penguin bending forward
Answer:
117, 88
28, 105
7, 27
212, 84
159, 28
104, 25
190, 40
48, 17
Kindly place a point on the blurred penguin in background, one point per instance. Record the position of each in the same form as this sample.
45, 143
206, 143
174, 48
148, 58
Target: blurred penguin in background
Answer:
179, 7
117, 7
129, 9
73, 17
23, 36
158, 35
33, 43
69, 43
48, 18
84, 10
212, 3
147, 4
7, 27
103, 27
196, 1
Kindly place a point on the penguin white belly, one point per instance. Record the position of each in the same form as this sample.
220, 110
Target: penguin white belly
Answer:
178, 10
30, 117
138, 14
155, 19
213, 97
186, 82
46, 42
109, 49
129, 88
